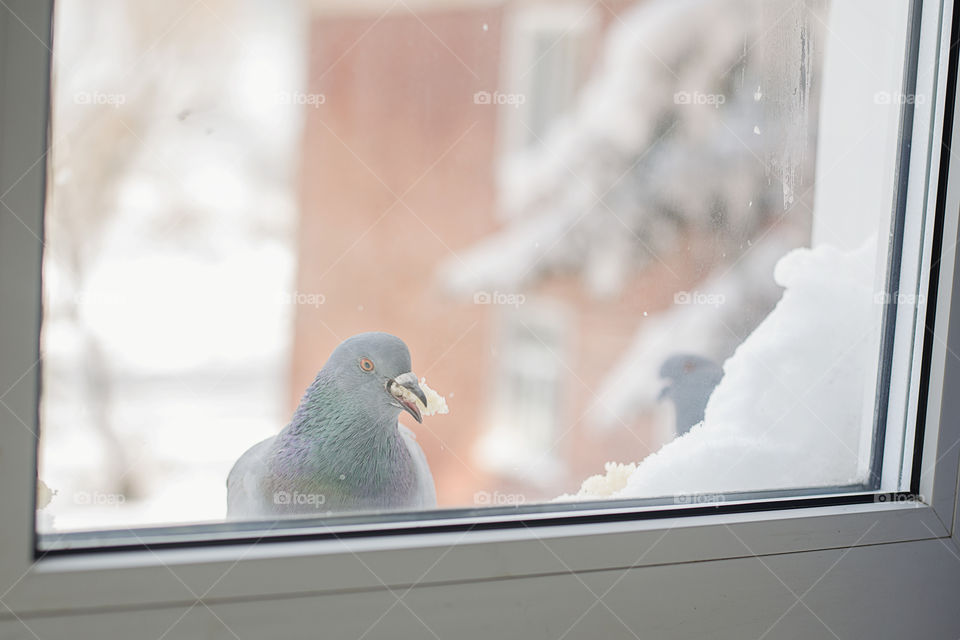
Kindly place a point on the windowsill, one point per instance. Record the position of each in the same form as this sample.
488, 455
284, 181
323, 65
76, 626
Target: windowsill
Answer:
101, 579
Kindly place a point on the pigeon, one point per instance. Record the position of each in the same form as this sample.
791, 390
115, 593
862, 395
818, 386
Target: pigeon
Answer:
692, 379
344, 449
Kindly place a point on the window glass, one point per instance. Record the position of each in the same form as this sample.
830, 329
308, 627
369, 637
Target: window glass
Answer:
622, 250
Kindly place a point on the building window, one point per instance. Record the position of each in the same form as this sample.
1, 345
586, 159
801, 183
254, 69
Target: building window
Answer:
528, 408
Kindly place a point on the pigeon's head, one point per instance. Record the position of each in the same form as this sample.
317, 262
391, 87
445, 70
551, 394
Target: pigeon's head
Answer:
685, 371
377, 366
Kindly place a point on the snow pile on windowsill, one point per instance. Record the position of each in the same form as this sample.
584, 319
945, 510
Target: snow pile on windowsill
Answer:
605, 485
793, 406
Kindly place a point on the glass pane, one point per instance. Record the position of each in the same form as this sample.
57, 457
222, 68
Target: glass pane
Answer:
638, 249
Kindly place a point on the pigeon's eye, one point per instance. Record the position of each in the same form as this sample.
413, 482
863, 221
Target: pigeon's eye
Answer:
366, 364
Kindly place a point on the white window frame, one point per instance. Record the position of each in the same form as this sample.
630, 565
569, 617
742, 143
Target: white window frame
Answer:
750, 570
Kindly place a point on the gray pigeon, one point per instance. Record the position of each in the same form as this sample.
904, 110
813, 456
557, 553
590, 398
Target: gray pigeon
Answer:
692, 379
344, 449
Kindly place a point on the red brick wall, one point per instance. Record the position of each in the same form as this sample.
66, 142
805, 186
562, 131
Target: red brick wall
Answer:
399, 120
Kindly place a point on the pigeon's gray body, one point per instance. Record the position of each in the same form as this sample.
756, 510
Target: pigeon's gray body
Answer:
344, 449
692, 380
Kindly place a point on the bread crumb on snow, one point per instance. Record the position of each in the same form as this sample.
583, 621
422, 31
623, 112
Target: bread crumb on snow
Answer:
44, 494
604, 486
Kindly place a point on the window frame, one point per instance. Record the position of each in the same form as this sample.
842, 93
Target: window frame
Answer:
101, 581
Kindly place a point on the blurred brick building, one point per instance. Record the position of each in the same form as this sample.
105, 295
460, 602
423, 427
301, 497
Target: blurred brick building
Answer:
398, 174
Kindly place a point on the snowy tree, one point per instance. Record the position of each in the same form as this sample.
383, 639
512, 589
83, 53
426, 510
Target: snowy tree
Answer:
696, 123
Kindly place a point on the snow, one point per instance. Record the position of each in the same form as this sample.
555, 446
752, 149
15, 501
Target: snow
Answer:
794, 401
613, 479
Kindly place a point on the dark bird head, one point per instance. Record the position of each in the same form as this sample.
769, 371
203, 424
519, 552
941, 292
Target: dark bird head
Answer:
691, 380
375, 368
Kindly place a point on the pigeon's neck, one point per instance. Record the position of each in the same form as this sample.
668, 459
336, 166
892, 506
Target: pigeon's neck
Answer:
330, 433
327, 406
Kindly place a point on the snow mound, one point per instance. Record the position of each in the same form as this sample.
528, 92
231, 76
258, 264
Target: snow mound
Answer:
795, 402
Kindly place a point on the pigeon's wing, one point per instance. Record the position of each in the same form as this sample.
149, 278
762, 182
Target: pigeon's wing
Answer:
244, 494
427, 491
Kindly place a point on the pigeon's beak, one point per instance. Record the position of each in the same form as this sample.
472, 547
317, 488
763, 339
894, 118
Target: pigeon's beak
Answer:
406, 391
